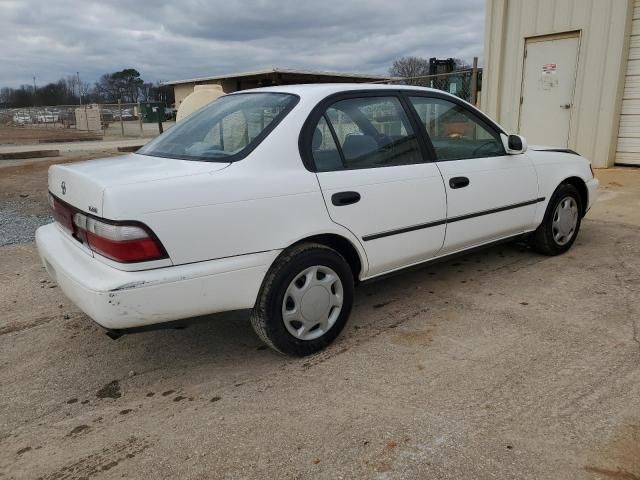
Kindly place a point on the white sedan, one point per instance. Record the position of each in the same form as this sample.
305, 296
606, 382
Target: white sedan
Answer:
281, 199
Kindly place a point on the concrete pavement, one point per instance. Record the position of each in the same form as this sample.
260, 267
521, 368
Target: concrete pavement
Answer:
75, 147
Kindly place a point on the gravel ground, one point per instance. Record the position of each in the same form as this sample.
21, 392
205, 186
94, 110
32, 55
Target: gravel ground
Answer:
502, 364
17, 227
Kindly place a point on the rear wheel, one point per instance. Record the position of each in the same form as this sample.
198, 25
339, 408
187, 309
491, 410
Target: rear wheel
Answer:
305, 300
561, 222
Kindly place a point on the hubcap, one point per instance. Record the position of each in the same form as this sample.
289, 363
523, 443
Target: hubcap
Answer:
565, 220
312, 302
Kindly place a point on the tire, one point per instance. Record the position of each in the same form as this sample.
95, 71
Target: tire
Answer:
311, 266
548, 238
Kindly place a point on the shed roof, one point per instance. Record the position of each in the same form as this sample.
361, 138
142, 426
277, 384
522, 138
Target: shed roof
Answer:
283, 71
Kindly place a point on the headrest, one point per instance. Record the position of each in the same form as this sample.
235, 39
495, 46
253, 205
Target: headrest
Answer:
358, 145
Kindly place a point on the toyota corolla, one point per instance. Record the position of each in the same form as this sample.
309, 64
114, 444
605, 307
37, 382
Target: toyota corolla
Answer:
280, 200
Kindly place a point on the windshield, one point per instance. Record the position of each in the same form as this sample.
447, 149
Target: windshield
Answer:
225, 130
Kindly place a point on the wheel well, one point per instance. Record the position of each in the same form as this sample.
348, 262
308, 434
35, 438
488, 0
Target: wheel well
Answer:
582, 189
342, 246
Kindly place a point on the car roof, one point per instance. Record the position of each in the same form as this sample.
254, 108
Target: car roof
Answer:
315, 90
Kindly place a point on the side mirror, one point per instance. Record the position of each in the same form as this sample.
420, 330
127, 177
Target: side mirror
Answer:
514, 144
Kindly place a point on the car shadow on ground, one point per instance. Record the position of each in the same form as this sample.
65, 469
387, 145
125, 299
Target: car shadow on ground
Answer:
227, 340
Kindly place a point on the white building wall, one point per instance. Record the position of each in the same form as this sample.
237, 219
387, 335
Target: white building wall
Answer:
628, 150
604, 27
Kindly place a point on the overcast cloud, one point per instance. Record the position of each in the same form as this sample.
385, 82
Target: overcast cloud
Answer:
169, 40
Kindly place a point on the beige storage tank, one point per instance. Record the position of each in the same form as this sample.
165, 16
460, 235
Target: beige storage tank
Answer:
202, 95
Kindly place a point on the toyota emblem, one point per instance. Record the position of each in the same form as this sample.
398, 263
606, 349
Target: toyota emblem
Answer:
63, 187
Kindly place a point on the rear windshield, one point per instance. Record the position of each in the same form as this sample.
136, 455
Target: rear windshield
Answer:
224, 131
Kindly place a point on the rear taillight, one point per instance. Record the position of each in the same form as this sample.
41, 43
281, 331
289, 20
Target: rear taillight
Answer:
121, 242
124, 242
61, 213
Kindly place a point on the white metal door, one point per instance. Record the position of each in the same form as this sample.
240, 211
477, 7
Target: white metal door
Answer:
400, 217
628, 149
375, 182
490, 195
548, 84
500, 199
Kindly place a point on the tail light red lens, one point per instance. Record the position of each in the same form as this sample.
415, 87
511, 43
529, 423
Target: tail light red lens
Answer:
124, 242
61, 213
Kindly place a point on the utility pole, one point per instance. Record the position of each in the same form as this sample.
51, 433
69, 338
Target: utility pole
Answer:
79, 87
474, 82
34, 89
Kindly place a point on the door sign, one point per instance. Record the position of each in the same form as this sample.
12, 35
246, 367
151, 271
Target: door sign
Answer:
549, 77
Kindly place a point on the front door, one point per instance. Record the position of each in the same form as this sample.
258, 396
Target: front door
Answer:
376, 182
490, 195
548, 84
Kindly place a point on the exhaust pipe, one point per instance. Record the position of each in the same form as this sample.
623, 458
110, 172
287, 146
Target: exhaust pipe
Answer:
113, 334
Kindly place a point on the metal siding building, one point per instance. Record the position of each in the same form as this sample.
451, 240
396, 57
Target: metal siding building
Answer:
568, 71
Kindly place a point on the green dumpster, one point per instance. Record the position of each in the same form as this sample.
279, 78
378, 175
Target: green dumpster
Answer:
152, 112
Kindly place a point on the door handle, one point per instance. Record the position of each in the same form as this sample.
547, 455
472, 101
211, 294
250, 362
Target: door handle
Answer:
566, 106
458, 182
345, 198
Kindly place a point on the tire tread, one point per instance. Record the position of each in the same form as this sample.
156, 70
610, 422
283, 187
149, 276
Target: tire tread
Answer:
542, 240
259, 314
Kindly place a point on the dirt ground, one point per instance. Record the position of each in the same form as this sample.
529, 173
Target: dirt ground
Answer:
502, 364
46, 134
11, 135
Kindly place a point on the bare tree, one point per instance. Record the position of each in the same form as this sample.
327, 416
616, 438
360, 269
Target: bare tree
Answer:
73, 85
409, 67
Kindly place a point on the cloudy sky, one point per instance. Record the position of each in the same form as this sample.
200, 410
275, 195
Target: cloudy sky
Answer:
169, 40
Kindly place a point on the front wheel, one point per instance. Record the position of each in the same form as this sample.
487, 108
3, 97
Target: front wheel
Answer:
561, 222
305, 300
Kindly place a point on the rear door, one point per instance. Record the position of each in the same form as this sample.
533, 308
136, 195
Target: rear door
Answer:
376, 180
490, 195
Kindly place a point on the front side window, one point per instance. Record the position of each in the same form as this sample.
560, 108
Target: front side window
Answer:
456, 134
224, 130
364, 132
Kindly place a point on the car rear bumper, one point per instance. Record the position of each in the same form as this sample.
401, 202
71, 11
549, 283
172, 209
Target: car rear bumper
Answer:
119, 300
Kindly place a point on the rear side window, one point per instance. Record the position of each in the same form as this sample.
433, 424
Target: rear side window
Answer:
224, 130
366, 132
325, 151
455, 132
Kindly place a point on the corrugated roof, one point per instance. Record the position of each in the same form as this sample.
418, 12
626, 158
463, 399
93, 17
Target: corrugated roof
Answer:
270, 71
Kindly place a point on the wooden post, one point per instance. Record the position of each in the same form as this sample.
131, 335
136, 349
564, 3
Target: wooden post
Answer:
160, 129
474, 82
140, 120
120, 113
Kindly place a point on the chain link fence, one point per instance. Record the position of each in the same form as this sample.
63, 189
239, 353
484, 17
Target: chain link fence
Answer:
131, 120
465, 84
94, 121
124, 119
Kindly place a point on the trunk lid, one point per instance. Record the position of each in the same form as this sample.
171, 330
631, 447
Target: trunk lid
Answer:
82, 184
